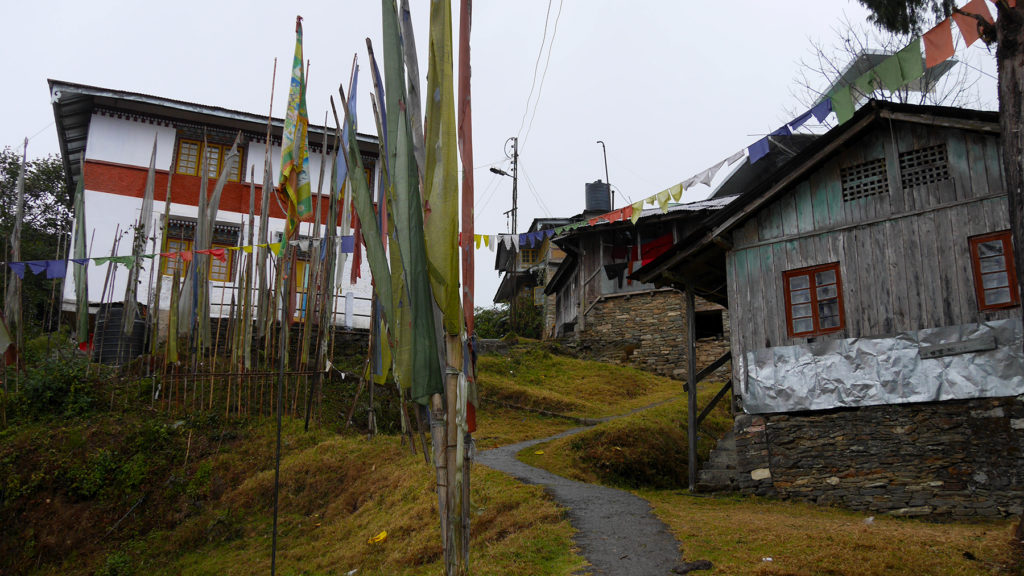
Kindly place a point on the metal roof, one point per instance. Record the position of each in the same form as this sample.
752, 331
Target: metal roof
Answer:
73, 106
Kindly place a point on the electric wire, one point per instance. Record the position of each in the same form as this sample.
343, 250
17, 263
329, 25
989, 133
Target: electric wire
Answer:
533, 191
544, 75
536, 66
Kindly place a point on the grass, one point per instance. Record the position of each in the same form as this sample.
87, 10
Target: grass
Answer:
645, 449
739, 534
533, 376
66, 481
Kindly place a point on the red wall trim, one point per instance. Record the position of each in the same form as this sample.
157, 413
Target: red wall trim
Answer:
128, 180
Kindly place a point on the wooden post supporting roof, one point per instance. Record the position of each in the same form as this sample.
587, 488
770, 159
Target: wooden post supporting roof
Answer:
691, 388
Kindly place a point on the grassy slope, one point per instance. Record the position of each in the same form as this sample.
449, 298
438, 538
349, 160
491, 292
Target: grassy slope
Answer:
66, 481
646, 451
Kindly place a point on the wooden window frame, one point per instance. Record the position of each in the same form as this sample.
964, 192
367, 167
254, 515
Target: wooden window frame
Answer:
213, 172
810, 272
186, 243
175, 244
1011, 272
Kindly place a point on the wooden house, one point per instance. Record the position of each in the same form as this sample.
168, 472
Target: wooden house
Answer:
614, 318
875, 316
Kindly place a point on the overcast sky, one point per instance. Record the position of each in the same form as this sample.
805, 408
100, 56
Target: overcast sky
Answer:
670, 87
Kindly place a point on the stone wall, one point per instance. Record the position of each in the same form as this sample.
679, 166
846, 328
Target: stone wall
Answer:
954, 459
647, 330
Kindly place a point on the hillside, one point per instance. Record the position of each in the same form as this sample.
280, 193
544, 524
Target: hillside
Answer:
95, 479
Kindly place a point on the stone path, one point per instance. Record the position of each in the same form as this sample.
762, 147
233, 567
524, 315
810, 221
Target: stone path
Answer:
616, 531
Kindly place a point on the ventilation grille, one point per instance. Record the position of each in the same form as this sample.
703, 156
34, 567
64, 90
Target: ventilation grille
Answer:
924, 166
863, 180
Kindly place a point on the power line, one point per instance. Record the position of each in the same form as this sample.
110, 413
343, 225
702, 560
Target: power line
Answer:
547, 62
536, 66
536, 196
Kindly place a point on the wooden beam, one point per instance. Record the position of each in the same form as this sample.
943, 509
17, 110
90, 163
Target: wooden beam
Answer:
691, 382
714, 402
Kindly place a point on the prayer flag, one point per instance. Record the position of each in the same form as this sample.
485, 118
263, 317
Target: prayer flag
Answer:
865, 83
820, 111
782, 131
294, 180
842, 103
938, 44
19, 270
663, 200
911, 65
81, 272
441, 204
56, 269
758, 150
968, 25
888, 72
800, 120
36, 266
638, 209
734, 158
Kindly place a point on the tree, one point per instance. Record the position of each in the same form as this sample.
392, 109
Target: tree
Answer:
912, 16
827, 63
45, 230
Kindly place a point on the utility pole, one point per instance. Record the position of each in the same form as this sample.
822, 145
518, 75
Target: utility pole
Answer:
606, 180
514, 212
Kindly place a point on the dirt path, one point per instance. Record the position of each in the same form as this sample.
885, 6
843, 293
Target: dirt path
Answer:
617, 532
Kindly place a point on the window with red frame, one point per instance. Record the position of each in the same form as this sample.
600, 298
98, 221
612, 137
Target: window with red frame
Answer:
814, 300
995, 279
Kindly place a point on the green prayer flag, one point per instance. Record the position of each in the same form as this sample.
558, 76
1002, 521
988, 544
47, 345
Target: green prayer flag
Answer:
911, 63
416, 332
842, 103
889, 73
441, 181
81, 272
865, 83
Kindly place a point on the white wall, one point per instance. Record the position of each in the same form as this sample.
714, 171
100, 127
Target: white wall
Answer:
126, 141
104, 212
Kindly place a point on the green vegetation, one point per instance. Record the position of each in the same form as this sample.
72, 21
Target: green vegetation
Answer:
648, 449
93, 480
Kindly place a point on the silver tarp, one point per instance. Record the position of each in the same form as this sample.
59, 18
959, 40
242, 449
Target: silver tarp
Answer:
952, 362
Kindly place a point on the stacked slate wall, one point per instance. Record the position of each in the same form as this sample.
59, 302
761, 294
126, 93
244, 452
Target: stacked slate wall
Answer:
954, 459
647, 330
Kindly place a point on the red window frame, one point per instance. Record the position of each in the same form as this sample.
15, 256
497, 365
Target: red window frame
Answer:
988, 268
816, 290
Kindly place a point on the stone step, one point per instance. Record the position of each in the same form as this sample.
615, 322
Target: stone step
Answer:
719, 472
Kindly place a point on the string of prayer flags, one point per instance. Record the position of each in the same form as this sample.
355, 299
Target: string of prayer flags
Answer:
938, 44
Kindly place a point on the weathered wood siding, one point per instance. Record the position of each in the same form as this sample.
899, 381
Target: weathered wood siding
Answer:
904, 255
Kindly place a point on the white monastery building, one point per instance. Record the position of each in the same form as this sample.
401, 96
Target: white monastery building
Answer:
106, 138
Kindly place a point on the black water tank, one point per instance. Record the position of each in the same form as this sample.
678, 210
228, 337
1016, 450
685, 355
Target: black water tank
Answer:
110, 345
599, 198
